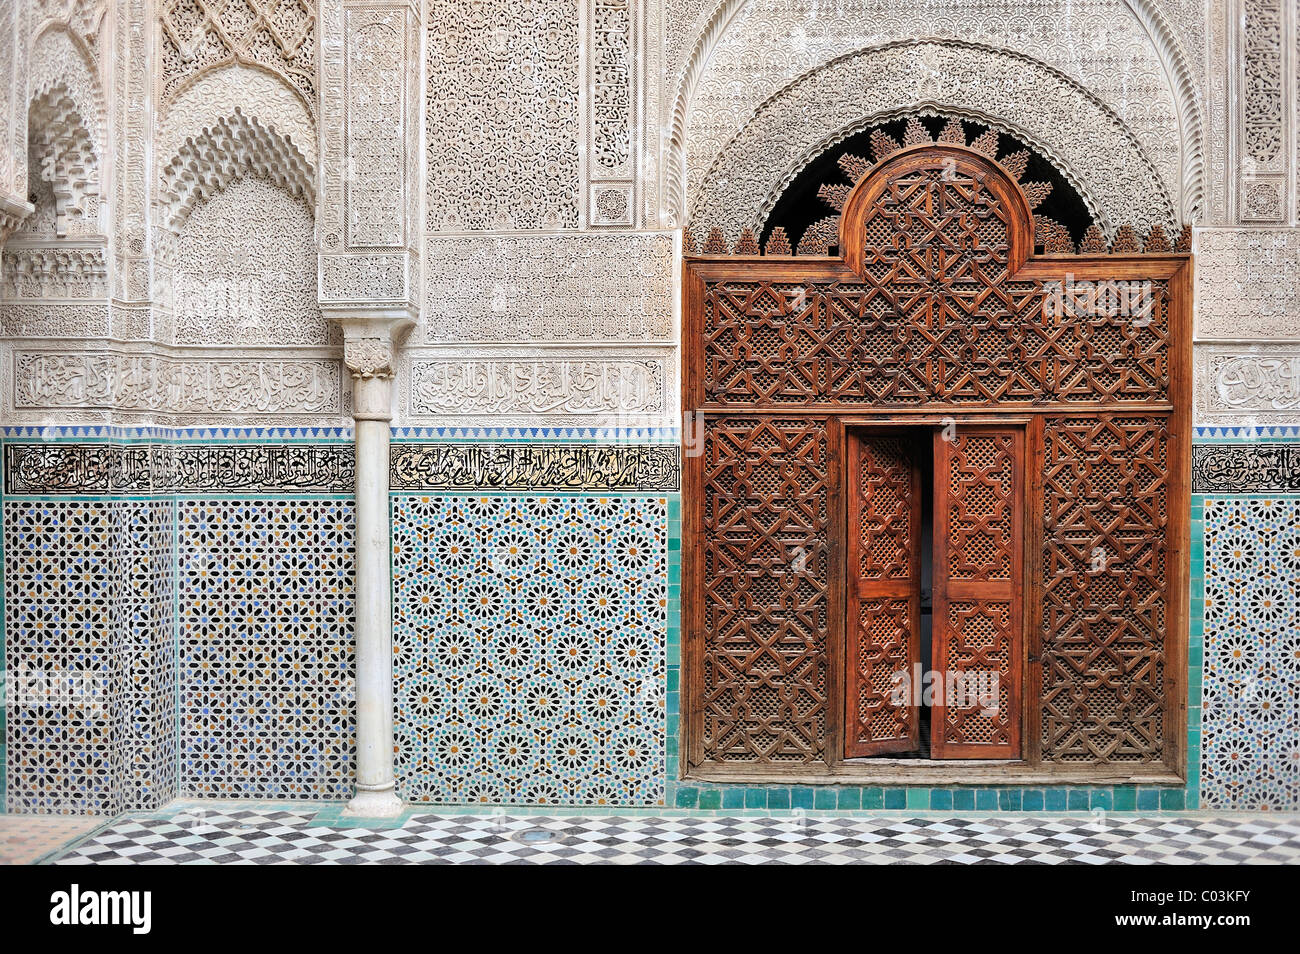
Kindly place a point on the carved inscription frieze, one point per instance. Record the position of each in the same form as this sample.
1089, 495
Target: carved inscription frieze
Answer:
1245, 468
1259, 382
528, 467
162, 383
539, 385
52, 468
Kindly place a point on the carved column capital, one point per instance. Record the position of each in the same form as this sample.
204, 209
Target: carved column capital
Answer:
370, 343
369, 357
13, 210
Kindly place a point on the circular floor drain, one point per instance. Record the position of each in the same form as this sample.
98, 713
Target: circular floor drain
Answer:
536, 836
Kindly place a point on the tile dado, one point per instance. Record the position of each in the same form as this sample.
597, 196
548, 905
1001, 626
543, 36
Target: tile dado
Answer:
204, 591
90, 655
264, 621
256, 586
529, 647
1250, 613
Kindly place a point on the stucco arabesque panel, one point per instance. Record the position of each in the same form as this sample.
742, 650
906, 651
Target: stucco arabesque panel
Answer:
1071, 126
1098, 44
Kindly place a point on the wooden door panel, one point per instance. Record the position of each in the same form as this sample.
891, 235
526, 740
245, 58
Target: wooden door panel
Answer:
978, 560
884, 573
765, 614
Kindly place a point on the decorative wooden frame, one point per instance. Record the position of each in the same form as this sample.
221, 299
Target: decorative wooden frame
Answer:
1171, 270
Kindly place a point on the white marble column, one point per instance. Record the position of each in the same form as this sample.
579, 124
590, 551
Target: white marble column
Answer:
368, 354
371, 76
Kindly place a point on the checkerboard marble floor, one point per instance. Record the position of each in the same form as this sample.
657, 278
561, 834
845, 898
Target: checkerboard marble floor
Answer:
305, 835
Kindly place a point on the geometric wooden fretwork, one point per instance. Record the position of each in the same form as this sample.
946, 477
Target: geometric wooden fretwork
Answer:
1105, 566
1070, 580
883, 617
765, 601
978, 473
934, 319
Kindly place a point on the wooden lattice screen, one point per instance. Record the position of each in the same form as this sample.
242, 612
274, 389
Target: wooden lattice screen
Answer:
1069, 374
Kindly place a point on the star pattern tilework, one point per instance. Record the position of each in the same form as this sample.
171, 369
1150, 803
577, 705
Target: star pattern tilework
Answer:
90, 654
1251, 704
529, 648
266, 668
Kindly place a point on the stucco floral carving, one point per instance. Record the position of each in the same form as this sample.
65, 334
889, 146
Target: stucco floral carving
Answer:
1085, 139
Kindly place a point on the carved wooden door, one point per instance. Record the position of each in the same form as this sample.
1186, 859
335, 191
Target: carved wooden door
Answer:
883, 618
977, 639
1060, 511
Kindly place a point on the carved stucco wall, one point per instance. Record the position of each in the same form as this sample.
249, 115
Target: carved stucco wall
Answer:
544, 303
1248, 260
246, 269
514, 157
736, 56
1104, 159
173, 287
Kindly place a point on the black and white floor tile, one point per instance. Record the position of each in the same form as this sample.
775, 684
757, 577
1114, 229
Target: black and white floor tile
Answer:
277, 835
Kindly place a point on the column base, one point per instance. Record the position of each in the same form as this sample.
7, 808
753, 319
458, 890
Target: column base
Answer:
381, 804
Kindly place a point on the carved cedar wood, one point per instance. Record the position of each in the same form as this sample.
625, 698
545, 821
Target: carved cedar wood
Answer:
1072, 406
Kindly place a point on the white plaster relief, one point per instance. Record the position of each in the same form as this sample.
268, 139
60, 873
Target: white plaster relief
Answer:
132, 69
1264, 101
592, 287
360, 278
375, 183
278, 35
236, 145
613, 130
1091, 148
1248, 283
60, 59
53, 319
54, 270
12, 147
1247, 382
1099, 44
246, 270
605, 387
66, 167
501, 115
261, 96
330, 214
172, 384
371, 156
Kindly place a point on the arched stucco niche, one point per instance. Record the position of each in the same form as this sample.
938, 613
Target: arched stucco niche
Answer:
260, 94
237, 235
1086, 140
61, 68
1139, 57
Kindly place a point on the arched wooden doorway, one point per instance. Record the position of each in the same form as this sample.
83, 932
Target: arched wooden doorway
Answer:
1043, 400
